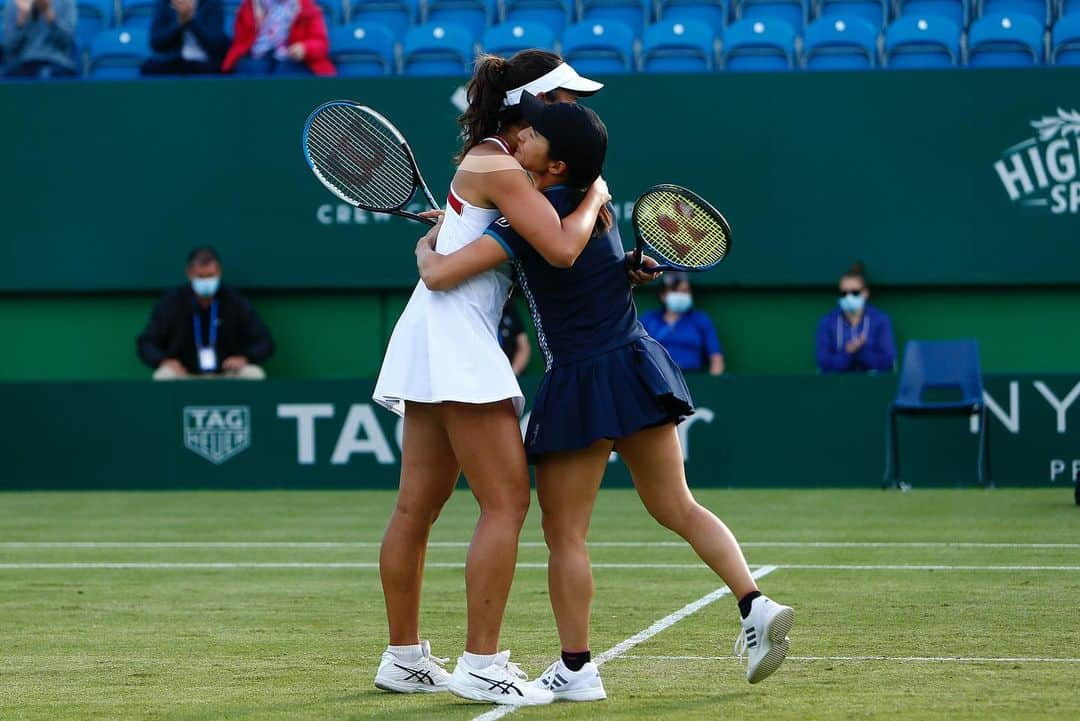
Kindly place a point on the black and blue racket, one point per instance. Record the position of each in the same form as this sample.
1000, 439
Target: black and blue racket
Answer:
363, 159
681, 230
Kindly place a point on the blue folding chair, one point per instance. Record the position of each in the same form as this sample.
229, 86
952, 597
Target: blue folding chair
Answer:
793, 12
711, 12
840, 44
1065, 44
944, 366
955, 10
396, 15
554, 14
916, 42
475, 15
362, 50
93, 16
1038, 10
631, 13
675, 46
600, 48
759, 46
1005, 41
509, 38
137, 13
118, 54
875, 12
436, 49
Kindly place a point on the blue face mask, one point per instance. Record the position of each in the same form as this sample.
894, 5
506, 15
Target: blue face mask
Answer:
852, 304
206, 287
677, 302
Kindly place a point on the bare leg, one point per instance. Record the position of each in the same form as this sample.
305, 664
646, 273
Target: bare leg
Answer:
566, 485
655, 459
487, 442
428, 474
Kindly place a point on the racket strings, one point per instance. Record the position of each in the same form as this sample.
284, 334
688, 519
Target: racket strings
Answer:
362, 159
680, 230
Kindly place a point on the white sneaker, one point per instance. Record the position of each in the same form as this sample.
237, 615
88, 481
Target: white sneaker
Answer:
425, 675
584, 684
502, 682
764, 637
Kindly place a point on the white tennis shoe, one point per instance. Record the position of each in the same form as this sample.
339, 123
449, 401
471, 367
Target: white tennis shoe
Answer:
764, 638
584, 684
424, 675
502, 682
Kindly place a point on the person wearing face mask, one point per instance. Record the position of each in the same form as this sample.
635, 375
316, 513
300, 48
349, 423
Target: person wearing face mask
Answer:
204, 328
688, 335
855, 336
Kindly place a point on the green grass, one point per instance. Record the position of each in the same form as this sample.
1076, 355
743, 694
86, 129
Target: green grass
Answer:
189, 644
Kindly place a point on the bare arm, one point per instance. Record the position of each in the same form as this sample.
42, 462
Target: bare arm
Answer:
443, 272
558, 241
716, 364
522, 352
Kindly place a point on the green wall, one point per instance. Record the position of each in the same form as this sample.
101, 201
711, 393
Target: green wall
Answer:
342, 334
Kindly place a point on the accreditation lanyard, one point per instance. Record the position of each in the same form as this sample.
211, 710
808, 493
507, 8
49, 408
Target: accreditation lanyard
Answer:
207, 353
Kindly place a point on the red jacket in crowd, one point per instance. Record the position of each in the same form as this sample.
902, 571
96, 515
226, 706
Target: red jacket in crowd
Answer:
308, 28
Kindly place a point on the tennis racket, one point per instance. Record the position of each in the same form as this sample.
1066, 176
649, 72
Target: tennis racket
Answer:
680, 228
363, 159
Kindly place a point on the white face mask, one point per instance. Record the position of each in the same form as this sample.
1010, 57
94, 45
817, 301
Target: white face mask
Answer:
206, 287
678, 302
852, 304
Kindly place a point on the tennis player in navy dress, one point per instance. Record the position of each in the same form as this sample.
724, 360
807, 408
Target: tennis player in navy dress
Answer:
607, 386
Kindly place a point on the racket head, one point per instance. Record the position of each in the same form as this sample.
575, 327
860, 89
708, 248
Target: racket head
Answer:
360, 157
680, 228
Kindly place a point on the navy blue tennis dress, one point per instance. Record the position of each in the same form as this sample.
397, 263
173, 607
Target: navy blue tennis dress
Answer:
605, 376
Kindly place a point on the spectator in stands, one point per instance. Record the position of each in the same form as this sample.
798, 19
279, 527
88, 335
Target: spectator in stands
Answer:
513, 339
279, 37
204, 328
39, 38
187, 37
855, 336
688, 334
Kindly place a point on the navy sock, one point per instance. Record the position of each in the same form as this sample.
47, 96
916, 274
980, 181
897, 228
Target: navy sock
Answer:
746, 601
574, 660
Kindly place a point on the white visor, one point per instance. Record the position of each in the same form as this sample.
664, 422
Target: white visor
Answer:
563, 76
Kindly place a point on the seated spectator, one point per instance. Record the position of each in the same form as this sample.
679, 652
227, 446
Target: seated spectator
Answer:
855, 336
204, 329
187, 37
39, 38
275, 37
687, 334
513, 339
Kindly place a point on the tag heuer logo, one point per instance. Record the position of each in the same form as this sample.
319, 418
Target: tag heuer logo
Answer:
1042, 170
217, 433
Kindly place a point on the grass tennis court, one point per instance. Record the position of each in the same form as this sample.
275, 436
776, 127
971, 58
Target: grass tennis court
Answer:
266, 605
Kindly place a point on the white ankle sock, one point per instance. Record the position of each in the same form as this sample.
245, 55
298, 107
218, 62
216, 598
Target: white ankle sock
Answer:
478, 661
407, 653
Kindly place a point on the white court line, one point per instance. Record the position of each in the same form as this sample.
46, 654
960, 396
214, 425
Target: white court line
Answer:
641, 636
899, 659
524, 544
372, 565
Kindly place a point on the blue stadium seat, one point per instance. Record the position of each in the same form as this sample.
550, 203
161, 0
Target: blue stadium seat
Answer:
711, 12
1005, 41
955, 10
1067, 7
437, 49
116, 54
137, 13
631, 13
232, 9
1065, 41
333, 14
93, 16
759, 45
1038, 10
508, 38
472, 14
397, 15
793, 12
915, 42
676, 46
599, 47
875, 12
362, 49
554, 14
840, 44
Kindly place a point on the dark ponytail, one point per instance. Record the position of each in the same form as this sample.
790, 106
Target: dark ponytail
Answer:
492, 78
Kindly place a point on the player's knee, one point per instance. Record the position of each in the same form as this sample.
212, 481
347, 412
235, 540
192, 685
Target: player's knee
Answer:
561, 535
508, 508
672, 515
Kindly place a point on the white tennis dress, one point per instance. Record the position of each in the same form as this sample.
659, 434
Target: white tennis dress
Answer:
445, 346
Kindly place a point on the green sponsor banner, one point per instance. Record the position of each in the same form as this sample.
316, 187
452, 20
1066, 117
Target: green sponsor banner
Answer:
748, 432
954, 177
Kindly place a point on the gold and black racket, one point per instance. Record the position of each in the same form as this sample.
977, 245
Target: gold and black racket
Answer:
681, 230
